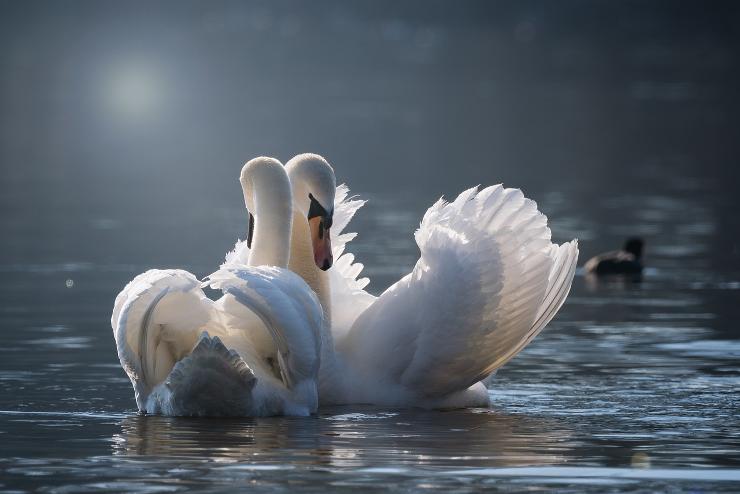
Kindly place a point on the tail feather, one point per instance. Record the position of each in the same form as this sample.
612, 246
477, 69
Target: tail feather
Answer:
211, 381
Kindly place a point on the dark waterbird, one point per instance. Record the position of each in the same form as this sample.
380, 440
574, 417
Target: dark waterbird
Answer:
627, 261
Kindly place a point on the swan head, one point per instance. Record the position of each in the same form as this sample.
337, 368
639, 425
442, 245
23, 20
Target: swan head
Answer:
314, 185
267, 195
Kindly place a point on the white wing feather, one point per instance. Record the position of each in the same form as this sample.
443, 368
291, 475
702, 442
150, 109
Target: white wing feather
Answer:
159, 322
286, 305
156, 321
348, 296
487, 282
239, 256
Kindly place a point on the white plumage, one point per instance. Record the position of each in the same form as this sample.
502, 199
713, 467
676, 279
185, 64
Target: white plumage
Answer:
254, 352
489, 279
187, 355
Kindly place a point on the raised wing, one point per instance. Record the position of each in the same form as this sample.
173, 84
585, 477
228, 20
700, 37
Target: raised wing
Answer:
156, 321
239, 256
487, 282
348, 296
289, 309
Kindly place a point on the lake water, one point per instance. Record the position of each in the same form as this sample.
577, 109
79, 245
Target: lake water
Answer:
617, 125
634, 386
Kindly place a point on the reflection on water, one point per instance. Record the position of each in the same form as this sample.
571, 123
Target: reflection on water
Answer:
354, 438
633, 386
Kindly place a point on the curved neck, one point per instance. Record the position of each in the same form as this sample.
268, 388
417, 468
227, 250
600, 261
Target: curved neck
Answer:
268, 197
302, 263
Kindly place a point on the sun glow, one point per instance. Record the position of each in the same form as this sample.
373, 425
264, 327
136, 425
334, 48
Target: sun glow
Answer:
134, 91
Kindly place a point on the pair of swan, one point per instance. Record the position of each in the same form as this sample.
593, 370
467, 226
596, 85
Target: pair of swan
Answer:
254, 351
303, 331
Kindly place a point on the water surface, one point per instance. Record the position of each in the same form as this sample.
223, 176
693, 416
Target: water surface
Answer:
633, 386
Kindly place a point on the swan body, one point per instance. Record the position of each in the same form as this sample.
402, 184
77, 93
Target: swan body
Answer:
489, 279
253, 352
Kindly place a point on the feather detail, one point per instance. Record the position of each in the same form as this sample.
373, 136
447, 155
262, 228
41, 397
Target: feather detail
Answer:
487, 282
348, 295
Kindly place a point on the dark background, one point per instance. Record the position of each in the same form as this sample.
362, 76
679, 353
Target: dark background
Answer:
118, 117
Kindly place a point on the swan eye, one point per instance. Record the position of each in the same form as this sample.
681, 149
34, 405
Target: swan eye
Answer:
251, 231
316, 209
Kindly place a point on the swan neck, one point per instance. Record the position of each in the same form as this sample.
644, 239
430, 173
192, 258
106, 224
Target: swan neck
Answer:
302, 263
268, 191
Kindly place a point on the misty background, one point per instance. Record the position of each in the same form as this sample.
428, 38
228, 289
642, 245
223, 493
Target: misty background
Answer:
132, 119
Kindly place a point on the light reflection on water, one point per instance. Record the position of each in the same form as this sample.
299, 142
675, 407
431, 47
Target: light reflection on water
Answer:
631, 386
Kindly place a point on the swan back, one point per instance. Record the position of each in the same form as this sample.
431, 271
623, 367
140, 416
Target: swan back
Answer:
289, 310
156, 321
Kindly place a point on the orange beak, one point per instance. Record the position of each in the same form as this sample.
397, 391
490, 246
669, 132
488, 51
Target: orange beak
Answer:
321, 242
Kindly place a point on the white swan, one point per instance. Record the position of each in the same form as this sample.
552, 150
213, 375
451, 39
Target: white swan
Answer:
488, 281
188, 355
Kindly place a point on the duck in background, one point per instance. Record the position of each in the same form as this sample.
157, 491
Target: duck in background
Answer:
627, 261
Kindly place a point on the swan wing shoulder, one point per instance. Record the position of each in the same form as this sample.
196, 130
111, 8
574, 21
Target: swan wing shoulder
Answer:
238, 256
156, 321
488, 280
345, 207
348, 296
287, 306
